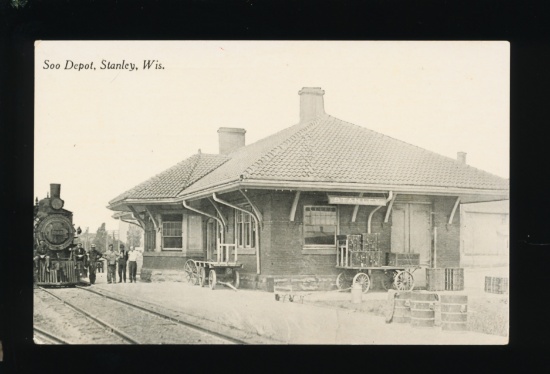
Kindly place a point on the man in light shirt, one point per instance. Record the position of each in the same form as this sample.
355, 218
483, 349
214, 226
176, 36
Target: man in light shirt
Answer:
132, 263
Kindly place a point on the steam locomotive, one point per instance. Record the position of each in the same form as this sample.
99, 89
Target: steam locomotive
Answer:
54, 236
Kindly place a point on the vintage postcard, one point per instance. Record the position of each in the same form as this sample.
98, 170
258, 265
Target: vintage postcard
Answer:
271, 192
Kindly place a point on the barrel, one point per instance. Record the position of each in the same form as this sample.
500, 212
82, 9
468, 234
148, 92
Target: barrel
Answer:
422, 309
454, 279
402, 308
356, 293
454, 312
435, 279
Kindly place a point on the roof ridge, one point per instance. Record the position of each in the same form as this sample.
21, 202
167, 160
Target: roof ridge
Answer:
191, 171
279, 148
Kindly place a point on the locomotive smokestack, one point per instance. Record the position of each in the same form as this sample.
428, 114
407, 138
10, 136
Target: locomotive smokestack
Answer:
55, 190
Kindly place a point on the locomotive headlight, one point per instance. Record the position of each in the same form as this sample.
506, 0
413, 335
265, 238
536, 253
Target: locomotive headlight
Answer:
56, 203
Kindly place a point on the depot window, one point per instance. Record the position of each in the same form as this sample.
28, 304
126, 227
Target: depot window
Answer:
320, 226
245, 229
171, 231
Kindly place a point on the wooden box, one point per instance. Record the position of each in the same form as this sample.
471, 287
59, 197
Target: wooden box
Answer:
402, 259
368, 259
454, 279
354, 242
371, 241
496, 285
435, 279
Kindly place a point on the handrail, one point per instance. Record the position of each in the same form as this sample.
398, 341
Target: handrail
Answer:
217, 199
185, 205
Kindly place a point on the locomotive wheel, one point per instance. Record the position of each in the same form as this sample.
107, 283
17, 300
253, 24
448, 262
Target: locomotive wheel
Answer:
202, 276
343, 281
190, 272
236, 279
403, 281
212, 279
364, 280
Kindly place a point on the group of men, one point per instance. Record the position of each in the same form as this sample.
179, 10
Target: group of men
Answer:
90, 260
122, 258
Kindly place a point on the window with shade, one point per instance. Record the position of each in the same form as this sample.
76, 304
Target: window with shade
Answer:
245, 230
320, 226
172, 232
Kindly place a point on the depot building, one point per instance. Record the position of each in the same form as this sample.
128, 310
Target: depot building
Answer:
283, 200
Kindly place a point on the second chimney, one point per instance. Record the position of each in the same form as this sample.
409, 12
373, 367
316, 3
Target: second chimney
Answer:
230, 139
311, 103
461, 157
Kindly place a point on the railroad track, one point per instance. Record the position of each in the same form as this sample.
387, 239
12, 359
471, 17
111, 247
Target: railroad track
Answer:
135, 324
44, 337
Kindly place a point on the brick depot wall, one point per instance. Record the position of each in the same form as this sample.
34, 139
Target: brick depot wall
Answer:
448, 236
282, 257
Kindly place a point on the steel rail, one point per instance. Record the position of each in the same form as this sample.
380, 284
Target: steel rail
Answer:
94, 318
49, 336
169, 318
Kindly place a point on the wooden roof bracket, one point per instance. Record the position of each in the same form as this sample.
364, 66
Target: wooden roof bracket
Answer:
133, 223
220, 222
255, 209
388, 212
294, 206
453, 211
217, 199
136, 216
155, 223
390, 197
355, 210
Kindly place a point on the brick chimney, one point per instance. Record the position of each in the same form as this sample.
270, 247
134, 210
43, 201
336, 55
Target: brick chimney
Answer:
230, 139
311, 103
461, 156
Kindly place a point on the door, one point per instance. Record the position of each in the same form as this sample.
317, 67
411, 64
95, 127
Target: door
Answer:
411, 230
212, 235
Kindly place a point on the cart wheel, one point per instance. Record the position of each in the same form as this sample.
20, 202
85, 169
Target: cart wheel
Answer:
387, 280
403, 281
362, 279
212, 279
236, 278
190, 272
202, 275
343, 281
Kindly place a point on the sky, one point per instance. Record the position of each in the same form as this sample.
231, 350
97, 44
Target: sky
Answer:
100, 132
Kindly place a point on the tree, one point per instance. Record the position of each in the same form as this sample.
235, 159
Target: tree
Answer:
100, 237
133, 236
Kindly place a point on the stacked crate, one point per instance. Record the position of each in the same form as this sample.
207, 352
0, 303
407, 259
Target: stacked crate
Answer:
403, 259
496, 285
374, 257
454, 279
435, 279
354, 248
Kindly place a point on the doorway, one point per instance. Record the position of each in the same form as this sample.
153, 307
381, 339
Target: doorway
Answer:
411, 230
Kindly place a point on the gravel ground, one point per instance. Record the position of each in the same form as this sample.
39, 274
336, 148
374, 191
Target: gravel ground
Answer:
143, 327
60, 320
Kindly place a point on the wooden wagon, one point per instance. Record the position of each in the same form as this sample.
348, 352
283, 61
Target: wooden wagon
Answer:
221, 271
358, 256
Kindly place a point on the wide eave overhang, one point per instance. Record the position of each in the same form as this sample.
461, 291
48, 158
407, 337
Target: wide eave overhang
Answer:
467, 194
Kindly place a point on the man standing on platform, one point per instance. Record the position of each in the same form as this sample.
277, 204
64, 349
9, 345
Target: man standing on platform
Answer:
93, 257
111, 258
132, 261
122, 258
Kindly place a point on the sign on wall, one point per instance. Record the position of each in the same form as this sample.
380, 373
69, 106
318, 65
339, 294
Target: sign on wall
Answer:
356, 200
